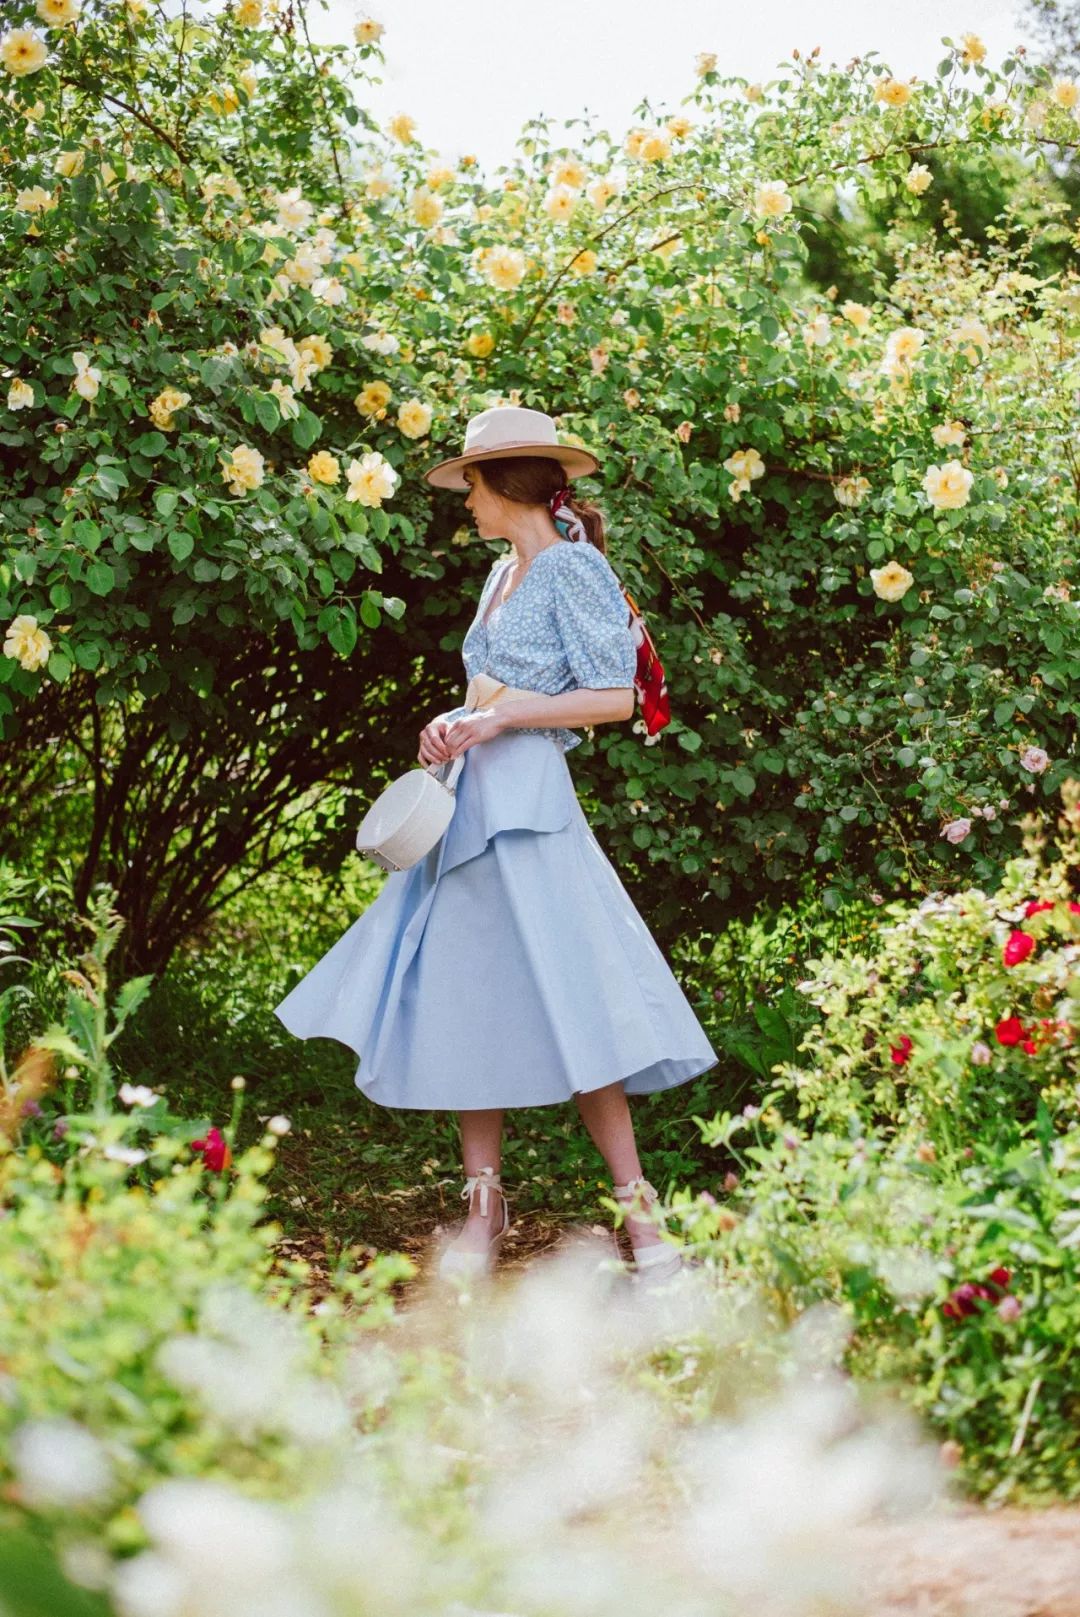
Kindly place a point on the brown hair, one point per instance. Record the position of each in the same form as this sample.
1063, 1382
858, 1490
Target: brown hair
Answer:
532, 480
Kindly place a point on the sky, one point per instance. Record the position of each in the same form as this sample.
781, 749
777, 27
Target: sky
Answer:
471, 72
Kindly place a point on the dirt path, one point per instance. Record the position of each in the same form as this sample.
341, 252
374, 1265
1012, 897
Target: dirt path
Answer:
975, 1563
968, 1562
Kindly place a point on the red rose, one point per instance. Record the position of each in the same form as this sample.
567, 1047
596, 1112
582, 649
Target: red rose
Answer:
1018, 948
215, 1150
898, 1053
1030, 1046
964, 1300
1038, 904
1010, 1031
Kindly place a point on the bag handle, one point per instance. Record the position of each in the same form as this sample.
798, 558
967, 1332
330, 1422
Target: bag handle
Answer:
450, 779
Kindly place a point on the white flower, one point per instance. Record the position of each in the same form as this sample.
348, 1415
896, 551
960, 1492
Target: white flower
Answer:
816, 332
371, 479
329, 290
1035, 760
851, 490
126, 1154
293, 212
60, 1465
279, 1126
381, 342
137, 1095
949, 434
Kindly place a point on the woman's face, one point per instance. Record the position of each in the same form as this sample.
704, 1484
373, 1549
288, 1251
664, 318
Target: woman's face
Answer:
488, 509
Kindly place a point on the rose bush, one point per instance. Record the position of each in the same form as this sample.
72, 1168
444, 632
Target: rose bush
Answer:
239, 320
920, 1167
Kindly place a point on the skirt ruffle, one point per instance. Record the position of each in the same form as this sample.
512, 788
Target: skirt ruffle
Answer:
509, 967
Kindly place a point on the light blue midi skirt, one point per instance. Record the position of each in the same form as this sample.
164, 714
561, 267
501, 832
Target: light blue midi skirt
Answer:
508, 967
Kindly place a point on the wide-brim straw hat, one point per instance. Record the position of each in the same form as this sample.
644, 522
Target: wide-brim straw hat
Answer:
505, 430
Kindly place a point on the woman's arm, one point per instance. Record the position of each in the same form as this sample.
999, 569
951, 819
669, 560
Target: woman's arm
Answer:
569, 710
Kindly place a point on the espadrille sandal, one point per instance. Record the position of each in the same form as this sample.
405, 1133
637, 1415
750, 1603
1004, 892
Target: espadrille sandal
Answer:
457, 1264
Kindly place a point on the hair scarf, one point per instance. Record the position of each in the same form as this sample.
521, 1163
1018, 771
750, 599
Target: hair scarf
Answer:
650, 686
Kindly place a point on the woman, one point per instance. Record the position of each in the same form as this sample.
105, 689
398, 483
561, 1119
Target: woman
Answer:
509, 966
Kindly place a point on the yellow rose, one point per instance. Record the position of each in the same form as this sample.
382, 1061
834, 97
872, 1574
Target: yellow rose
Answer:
1065, 92
367, 31
901, 348
22, 51
918, 178
600, 192
248, 13
974, 339
892, 92
20, 395
771, 200
402, 128
162, 408
371, 479
568, 171
584, 263
87, 378
243, 470
480, 344
504, 267
426, 208
744, 465
373, 399
58, 13
286, 399
68, 164
754, 92
317, 350
559, 203
948, 487
439, 176
28, 644
35, 199
974, 49
678, 128
414, 418
950, 434
857, 313
705, 63
891, 582
655, 147
377, 185
632, 143
323, 467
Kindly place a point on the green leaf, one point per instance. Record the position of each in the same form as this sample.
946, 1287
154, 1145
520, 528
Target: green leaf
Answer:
181, 544
149, 443
305, 429
343, 632
165, 501
369, 611
267, 412
100, 577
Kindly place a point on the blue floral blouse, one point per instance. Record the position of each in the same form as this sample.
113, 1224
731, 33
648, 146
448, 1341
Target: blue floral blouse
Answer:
564, 627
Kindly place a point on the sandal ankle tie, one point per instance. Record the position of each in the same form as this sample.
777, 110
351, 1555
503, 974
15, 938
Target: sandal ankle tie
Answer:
487, 1179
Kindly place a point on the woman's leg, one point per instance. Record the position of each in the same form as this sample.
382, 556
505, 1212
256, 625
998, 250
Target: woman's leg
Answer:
606, 1114
481, 1147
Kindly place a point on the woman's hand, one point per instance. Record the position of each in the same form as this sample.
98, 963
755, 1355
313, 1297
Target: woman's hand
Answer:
482, 724
433, 747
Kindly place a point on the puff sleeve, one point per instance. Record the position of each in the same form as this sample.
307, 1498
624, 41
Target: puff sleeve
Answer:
593, 618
